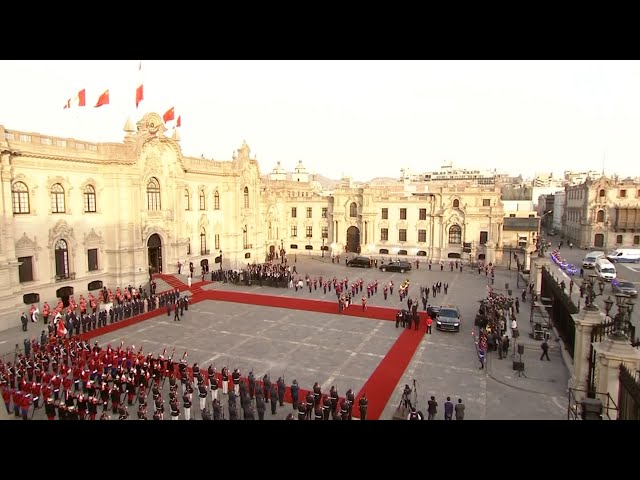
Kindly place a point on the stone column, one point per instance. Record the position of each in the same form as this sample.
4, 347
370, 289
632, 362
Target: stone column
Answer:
536, 274
610, 353
585, 320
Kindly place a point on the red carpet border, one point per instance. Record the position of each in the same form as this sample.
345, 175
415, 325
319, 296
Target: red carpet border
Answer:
380, 385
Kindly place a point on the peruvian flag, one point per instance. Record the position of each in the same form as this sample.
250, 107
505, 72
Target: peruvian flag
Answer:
80, 100
168, 115
179, 121
103, 100
62, 330
139, 90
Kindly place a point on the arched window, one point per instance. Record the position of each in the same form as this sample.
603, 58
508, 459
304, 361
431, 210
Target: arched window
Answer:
216, 201
203, 241
153, 194
600, 216
57, 199
187, 200
20, 198
456, 203
89, 199
455, 235
246, 197
62, 259
601, 192
619, 239
203, 200
353, 210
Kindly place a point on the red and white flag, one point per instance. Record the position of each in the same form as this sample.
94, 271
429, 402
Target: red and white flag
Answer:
62, 330
80, 100
140, 89
179, 121
103, 100
168, 115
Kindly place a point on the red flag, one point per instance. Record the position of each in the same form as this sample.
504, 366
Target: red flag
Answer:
139, 95
168, 115
103, 100
62, 330
140, 89
179, 121
82, 98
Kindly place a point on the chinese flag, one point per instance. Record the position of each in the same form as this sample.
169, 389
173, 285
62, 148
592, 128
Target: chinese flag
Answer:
103, 100
168, 115
179, 121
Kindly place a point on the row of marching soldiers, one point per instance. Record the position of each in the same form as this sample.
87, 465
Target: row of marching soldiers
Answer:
77, 380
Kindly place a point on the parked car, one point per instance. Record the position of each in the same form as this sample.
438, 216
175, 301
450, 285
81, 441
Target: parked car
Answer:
432, 311
448, 319
622, 286
396, 266
363, 262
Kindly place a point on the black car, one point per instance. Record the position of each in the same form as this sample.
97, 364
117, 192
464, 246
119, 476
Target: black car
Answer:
396, 266
622, 286
448, 319
363, 262
433, 311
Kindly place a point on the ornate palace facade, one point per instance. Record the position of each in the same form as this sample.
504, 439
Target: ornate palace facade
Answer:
74, 212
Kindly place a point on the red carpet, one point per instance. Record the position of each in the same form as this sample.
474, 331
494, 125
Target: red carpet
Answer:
380, 385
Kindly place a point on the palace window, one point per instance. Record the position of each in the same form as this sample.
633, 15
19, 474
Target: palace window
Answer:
294, 231
92, 259
57, 198
455, 235
324, 212
309, 212
153, 194
216, 201
403, 214
353, 210
456, 203
203, 200
309, 232
187, 200
402, 235
422, 236
25, 270
294, 212
20, 198
385, 214
422, 214
89, 199
325, 232
203, 241
246, 197
384, 234
62, 259
600, 216
486, 202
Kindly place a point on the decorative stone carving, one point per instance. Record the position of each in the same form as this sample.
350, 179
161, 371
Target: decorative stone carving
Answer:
92, 237
153, 164
25, 243
151, 125
61, 230
203, 222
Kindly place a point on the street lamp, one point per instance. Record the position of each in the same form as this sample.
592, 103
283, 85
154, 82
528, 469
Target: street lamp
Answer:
589, 285
622, 322
323, 246
220, 259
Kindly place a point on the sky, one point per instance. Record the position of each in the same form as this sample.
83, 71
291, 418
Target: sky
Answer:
362, 119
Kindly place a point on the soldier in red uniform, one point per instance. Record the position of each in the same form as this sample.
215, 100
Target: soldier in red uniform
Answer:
6, 396
46, 311
36, 390
25, 403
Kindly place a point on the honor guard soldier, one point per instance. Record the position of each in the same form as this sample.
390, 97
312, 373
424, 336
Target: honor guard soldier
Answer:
235, 376
175, 409
225, 380
344, 409
124, 413
213, 386
93, 408
363, 403
266, 387
157, 415
302, 411
252, 385
290, 415
274, 402
217, 411
202, 394
195, 370
326, 407
50, 409
281, 389
318, 413
333, 392
142, 411
295, 389
317, 394
310, 402
260, 405
186, 399
351, 398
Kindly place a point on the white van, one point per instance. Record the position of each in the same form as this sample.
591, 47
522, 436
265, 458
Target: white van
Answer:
590, 259
605, 269
625, 255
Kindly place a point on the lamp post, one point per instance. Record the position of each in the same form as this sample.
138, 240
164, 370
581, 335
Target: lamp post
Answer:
323, 246
589, 284
622, 323
220, 259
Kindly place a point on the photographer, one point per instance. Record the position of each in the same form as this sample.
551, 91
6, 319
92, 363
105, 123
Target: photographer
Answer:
406, 398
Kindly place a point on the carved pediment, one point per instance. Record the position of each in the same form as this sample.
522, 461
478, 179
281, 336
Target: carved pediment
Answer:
25, 243
93, 237
61, 230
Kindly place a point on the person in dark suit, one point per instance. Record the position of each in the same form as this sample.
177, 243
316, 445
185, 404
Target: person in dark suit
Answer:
448, 409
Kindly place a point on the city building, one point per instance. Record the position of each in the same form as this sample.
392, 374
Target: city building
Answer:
559, 199
521, 221
77, 215
602, 213
448, 173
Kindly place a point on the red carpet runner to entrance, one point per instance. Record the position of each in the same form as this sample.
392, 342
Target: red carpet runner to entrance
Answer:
380, 385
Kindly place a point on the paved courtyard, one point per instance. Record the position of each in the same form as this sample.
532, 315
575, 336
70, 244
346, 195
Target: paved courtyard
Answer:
344, 350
